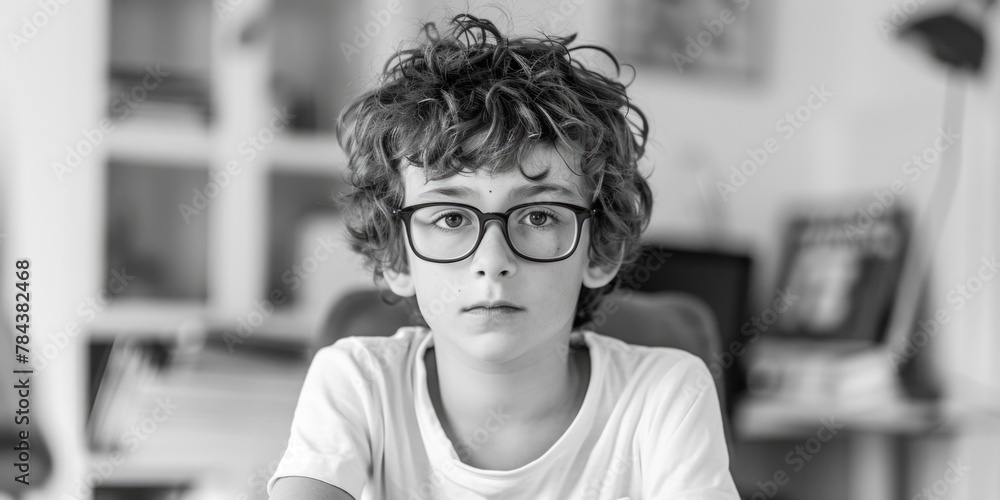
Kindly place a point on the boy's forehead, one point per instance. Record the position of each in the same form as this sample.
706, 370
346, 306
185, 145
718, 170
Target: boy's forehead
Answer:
561, 183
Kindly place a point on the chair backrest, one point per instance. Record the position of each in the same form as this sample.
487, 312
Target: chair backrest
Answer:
665, 319
362, 313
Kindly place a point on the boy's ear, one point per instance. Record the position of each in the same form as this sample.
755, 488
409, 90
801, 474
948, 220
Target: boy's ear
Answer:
400, 283
595, 276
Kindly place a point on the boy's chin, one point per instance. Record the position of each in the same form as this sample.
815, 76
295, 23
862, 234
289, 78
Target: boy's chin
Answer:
496, 353
496, 345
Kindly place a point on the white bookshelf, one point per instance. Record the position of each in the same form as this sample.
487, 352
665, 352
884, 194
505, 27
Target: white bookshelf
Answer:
234, 418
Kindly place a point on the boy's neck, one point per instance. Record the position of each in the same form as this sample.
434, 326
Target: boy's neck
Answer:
549, 386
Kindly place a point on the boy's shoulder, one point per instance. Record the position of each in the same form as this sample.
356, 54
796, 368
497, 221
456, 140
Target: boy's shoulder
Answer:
405, 337
650, 365
640, 354
367, 355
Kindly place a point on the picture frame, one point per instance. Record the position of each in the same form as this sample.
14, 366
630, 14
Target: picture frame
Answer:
840, 274
715, 39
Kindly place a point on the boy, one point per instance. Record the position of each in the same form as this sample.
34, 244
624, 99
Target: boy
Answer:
497, 183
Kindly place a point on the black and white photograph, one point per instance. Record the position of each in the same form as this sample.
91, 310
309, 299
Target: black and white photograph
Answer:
499, 250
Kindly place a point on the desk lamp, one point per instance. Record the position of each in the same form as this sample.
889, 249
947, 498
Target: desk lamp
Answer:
956, 39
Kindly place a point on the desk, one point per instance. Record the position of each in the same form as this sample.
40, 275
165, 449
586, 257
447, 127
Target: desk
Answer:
875, 433
228, 420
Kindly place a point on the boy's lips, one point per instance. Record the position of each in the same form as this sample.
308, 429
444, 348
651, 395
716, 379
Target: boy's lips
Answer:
500, 305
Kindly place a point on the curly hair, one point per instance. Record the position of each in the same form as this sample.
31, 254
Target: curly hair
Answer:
472, 98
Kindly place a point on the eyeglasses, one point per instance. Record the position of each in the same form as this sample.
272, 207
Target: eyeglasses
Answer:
449, 232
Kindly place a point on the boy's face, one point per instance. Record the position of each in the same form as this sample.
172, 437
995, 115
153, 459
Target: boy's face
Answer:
545, 294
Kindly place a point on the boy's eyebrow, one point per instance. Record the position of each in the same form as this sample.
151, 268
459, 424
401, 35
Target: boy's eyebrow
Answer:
451, 191
518, 193
529, 190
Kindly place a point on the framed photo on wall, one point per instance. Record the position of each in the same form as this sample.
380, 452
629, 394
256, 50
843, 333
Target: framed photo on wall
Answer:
711, 38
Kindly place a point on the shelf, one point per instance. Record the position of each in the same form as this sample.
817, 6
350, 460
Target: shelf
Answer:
146, 317
164, 142
313, 153
786, 418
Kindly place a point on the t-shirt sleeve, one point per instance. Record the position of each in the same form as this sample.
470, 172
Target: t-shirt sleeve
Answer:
330, 437
684, 453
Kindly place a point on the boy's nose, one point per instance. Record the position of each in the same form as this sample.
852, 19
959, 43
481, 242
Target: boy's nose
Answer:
494, 257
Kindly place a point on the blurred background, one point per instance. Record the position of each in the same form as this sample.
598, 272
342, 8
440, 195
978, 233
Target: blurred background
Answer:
826, 178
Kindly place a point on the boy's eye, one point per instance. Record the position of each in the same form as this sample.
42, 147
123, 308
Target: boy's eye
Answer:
540, 218
450, 220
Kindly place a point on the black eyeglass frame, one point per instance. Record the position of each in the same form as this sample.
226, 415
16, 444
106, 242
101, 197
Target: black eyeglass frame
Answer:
582, 214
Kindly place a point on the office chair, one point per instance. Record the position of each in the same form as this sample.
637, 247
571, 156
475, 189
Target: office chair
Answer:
665, 319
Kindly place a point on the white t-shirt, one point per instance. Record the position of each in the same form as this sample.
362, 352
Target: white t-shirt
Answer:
649, 428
